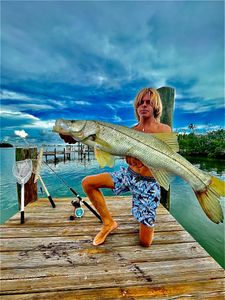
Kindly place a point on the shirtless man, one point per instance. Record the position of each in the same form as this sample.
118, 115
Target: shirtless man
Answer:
135, 177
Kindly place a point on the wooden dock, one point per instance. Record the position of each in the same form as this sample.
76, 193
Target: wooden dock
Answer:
50, 257
66, 152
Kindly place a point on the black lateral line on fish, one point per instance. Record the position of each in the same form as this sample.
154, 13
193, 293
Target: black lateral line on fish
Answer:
109, 126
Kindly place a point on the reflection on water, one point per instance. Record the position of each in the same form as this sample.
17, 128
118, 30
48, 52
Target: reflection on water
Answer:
209, 165
184, 205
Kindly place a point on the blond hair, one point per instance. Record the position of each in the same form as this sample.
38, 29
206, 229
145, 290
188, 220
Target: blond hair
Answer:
155, 99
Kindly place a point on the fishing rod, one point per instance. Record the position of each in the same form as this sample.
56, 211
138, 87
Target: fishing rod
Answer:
36, 171
74, 192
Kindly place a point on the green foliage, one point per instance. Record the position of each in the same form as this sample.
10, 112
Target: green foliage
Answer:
5, 145
211, 144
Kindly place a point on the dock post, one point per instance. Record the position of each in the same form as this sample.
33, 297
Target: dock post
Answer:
55, 155
88, 152
64, 154
167, 95
81, 152
68, 153
30, 187
78, 149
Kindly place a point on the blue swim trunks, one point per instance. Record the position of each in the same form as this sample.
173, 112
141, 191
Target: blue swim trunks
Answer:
145, 191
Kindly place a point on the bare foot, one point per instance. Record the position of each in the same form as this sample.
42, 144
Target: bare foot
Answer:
104, 232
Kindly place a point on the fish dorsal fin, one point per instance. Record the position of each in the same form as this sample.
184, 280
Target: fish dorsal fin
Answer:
170, 138
104, 158
163, 177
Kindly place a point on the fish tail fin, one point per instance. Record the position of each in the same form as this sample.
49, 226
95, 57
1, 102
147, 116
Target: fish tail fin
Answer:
210, 199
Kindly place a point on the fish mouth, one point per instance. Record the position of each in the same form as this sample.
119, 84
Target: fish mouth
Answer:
65, 127
61, 127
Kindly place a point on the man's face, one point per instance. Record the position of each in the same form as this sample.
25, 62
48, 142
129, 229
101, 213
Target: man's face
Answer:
145, 107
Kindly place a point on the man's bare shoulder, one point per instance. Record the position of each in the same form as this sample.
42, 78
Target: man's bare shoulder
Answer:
164, 128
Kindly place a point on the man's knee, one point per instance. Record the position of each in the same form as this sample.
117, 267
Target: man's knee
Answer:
146, 235
87, 183
145, 243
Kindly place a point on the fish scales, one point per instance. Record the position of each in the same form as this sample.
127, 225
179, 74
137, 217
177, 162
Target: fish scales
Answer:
156, 153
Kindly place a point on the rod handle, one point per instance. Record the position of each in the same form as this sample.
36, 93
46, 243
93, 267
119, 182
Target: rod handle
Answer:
51, 201
22, 217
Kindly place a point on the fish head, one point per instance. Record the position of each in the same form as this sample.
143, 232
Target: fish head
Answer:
78, 129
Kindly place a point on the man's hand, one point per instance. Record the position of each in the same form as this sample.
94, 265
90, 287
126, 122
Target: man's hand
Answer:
68, 139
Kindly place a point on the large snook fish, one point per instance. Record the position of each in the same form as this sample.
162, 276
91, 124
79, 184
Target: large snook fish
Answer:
156, 151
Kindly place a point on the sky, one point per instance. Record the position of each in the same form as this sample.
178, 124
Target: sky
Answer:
89, 59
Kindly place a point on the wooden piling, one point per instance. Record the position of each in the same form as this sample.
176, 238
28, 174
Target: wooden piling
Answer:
167, 97
30, 187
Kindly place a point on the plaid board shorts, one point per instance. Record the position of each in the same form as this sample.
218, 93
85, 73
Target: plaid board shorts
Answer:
145, 193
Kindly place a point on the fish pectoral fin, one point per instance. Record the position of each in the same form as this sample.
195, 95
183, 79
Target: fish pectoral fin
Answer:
169, 138
102, 143
163, 177
104, 158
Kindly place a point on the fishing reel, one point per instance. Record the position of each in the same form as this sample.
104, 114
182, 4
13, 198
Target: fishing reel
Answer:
77, 209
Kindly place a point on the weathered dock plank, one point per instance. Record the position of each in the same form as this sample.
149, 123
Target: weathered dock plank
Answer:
74, 228
51, 257
109, 275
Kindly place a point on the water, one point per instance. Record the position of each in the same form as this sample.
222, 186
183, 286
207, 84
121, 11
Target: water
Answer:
8, 193
184, 205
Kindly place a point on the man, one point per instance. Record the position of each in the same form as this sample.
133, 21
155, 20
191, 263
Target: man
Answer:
135, 178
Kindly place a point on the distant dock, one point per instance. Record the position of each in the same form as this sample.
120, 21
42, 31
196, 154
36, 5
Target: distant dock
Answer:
51, 257
66, 152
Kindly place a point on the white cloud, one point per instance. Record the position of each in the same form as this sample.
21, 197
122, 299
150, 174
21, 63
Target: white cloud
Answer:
21, 133
124, 103
80, 102
35, 107
29, 106
196, 106
20, 120
25, 102
17, 115
41, 124
114, 117
9, 95
117, 119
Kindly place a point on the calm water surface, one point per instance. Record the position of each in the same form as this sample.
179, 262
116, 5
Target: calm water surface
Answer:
184, 205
